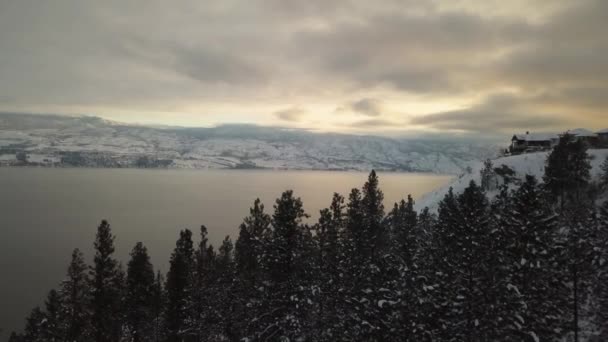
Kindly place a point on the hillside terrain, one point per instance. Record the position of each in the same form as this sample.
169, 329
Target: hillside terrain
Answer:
522, 165
50, 140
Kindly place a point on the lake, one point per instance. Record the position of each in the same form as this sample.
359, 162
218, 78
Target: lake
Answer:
46, 213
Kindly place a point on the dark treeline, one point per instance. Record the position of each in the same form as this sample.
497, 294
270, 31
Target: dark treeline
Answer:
528, 265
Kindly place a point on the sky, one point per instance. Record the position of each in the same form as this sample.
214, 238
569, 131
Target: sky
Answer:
386, 67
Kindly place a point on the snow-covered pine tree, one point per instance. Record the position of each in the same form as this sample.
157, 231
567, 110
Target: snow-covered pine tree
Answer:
284, 312
464, 225
178, 288
75, 298
248, 255
106, 289
601, 267
488, 176
139, 303
159, 332
530, 247
330, 277
580, 232
567, 170
604, 174
53, 329
34, 326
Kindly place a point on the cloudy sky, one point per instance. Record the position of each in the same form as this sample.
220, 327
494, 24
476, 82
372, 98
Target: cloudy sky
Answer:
393, 67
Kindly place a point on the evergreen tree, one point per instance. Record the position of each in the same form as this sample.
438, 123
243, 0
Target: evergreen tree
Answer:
488, 176
106, 288
53, 329
567, 170
179, 287
580, 234
35, 325
158, 304
465, 238
14, 337
140, 295
601, 266
404, 224
373, 213
604, 174
75, 299
248, 248
530, 247
286, 305
330, 277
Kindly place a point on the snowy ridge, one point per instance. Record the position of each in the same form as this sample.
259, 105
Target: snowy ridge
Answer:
94, 142
523, 164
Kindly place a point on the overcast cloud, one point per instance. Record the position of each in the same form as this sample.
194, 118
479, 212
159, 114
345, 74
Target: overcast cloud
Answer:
459, 66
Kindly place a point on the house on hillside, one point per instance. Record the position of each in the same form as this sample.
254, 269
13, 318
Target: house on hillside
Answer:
532, 142
585, 135
602, 137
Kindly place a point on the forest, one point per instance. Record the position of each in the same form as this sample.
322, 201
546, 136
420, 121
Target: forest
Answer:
528, 263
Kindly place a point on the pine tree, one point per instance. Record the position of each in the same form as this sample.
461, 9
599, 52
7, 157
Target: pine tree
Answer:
286, 306
404, 224
106, 288
140, 295
179, 287
75, 299
604, 174
373, 213
249, 249
464, 233
601, 267
34, 326
580, 233
488, 176
330, 276
53, 329
530, 247
158, 304
567, 170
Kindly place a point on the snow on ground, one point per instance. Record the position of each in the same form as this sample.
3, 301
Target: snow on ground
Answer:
523, 164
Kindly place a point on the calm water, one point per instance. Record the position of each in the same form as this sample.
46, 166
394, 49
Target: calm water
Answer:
45, 213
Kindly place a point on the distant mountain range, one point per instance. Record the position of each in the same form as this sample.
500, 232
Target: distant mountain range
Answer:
54, 140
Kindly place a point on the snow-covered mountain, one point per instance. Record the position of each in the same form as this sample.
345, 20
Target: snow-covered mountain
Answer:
52, 140
522, 165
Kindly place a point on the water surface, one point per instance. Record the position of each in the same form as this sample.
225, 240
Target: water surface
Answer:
46, 213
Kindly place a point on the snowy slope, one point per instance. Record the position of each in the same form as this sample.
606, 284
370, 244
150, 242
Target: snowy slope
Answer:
107, 144
523, 164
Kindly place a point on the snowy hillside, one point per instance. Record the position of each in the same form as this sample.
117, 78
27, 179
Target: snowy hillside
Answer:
531, 163
50, 140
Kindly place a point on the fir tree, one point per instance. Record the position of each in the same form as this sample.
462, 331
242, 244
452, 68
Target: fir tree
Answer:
286, 306
75, 299
529, 234
106, 288
35, 325
53, 329
158, 304
179, 287
580, 233
248, 248
601, 267
330, 277
567, 170
604, 174
140, 295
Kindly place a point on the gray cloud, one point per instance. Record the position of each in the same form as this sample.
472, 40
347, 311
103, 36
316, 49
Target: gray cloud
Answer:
500, 113
293, 114
373, 123
271, 53
367, 106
